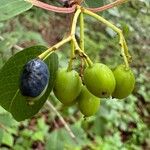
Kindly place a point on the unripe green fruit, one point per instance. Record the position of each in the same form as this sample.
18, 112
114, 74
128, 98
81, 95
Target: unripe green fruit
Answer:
67, 86
99, 80
88, 103
125, 82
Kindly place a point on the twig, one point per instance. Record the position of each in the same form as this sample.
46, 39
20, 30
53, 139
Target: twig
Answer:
108, 6
62, 120
51, 7
73, 8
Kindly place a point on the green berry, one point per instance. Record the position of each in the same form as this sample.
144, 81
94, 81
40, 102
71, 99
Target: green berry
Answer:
125, 82
88, 103
67, 86
99, 80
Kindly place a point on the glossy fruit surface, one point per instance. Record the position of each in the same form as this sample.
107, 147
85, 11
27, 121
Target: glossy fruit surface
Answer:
125, 82
34, 78
88, 103
67, 86
99, 80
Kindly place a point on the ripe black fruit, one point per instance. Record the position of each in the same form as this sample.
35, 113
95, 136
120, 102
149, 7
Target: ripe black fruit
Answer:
34, 78
88, 103
99, 80
125, 82
67, 86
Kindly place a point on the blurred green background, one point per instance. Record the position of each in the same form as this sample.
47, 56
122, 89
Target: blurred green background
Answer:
119, 124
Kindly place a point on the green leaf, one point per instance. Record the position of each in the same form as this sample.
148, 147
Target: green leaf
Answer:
1, 135
7, 120
1, 62
10, 97
7, 139
60, 139
11, 8
18, 147
42, 126
26, 133
38, 136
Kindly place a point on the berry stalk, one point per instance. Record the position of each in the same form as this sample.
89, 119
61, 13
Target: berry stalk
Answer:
74, 22
73, 30
72, 56
45, 54
122, 42
82, 31
83, 61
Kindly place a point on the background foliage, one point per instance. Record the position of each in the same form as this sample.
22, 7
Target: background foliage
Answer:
119, 124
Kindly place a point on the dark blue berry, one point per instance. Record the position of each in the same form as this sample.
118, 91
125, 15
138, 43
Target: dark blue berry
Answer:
34, 78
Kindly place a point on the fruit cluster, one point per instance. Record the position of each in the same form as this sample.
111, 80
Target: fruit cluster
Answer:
98, 82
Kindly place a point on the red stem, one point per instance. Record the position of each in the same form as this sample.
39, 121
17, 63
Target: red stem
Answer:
72, 9
52, 8
108, 6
